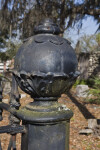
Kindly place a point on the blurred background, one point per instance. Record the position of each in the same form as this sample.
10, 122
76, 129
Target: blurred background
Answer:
79, 21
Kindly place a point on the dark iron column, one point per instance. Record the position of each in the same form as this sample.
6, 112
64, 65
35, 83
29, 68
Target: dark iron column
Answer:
1, 98
45, 67
47, 126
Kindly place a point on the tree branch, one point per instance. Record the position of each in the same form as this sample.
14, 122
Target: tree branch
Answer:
83, 10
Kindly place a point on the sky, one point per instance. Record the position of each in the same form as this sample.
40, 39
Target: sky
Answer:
89, 27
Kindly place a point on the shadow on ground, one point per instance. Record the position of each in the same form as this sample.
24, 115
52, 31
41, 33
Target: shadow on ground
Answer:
81, 107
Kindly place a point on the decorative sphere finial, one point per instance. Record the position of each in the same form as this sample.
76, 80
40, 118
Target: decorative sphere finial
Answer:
47, 26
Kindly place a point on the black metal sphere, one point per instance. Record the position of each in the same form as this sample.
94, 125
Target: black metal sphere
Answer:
45, 65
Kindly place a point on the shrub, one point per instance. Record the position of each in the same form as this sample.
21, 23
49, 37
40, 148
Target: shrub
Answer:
95, 90
80, 82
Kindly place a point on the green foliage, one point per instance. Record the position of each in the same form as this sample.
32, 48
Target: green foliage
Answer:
80, 82
90, 82
93, 101
95, 90
3, 56
12, 48
94, 84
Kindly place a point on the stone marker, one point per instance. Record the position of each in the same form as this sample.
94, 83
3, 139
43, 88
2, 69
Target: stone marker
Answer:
86, 131
82, 91
7, 88
23, 95
92, 123
93, 128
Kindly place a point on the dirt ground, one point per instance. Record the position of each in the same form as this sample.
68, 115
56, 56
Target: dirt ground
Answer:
82, 112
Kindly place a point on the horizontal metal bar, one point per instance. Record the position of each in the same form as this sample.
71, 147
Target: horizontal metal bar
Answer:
4, 106
12, 129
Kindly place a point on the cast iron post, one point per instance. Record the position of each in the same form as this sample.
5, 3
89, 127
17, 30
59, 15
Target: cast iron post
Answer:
45, 67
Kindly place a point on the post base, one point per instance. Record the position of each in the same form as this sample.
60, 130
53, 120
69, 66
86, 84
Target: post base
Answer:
47, 126
46, 137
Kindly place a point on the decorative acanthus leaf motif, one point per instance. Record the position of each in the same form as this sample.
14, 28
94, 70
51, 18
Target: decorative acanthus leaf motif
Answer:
39, 84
